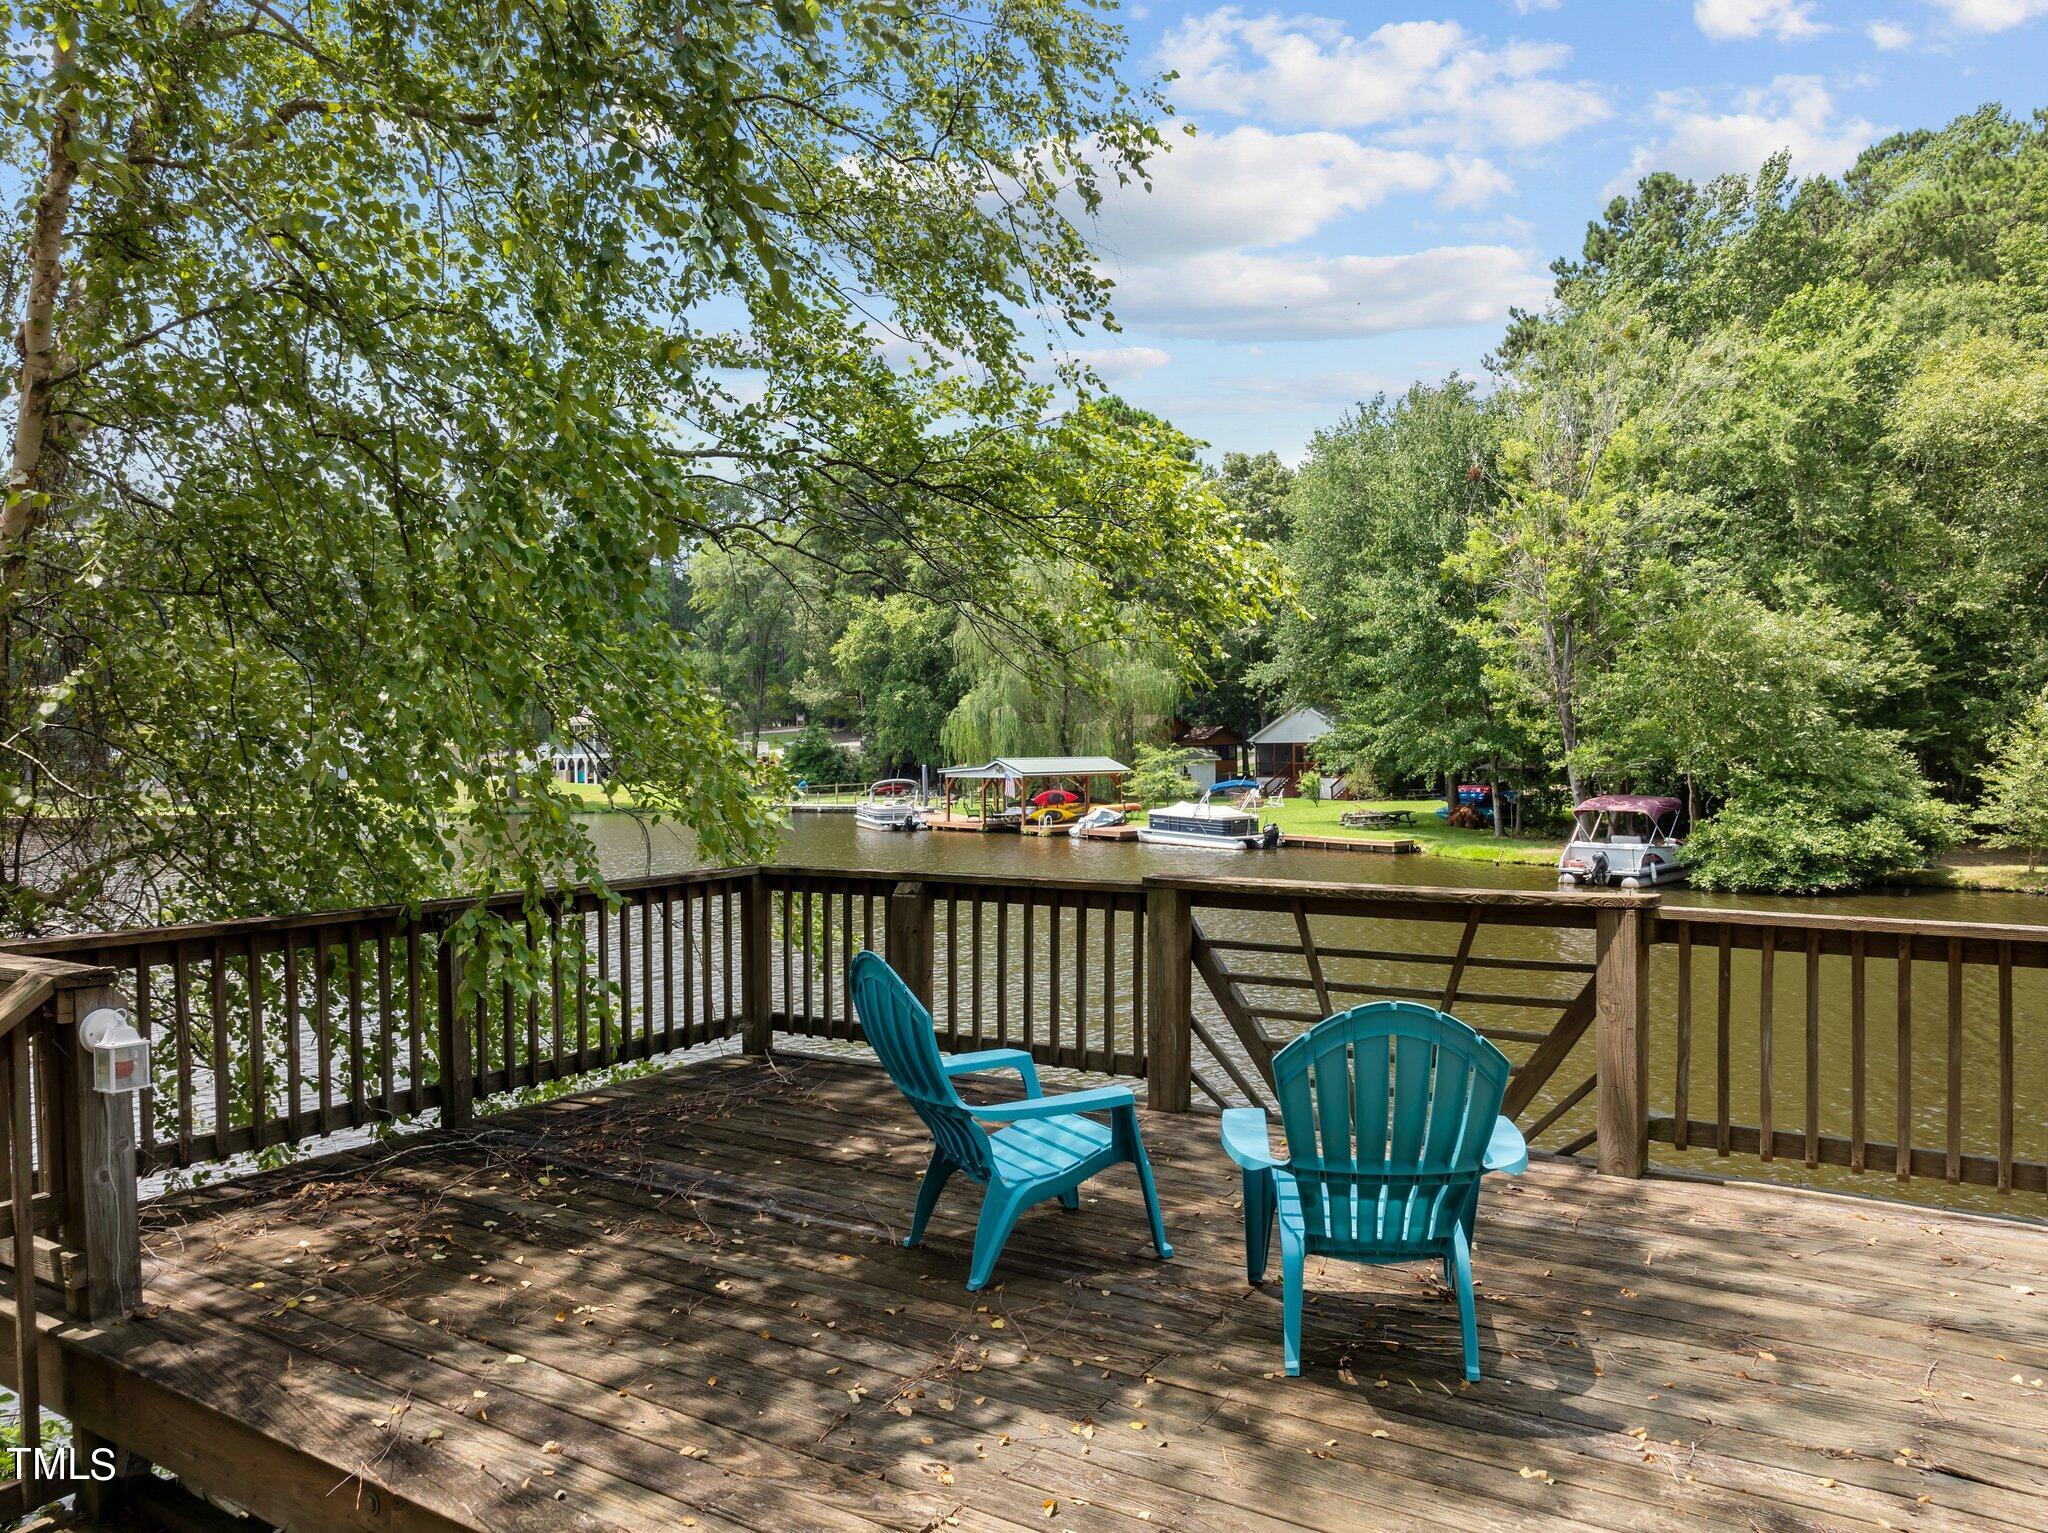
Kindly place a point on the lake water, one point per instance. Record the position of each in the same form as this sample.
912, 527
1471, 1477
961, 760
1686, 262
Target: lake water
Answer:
631, 848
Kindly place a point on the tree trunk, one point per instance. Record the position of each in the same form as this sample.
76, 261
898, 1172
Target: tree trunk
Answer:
21, 510
1557, 649
1450, 795
1493, 787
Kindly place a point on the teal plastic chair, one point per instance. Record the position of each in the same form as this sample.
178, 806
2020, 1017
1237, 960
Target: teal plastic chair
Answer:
1049, 1148
1392, 1113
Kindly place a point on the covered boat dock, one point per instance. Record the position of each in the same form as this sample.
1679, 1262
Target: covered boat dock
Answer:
1013, 777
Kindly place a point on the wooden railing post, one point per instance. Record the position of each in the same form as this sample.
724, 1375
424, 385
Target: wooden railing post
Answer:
757, 989
911, 947
1169, 999
458, 1084
1621, 1035
103, 1213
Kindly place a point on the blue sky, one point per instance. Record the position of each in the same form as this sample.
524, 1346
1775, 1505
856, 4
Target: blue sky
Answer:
1372, 185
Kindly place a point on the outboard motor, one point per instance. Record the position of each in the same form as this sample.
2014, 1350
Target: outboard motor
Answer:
1271, 839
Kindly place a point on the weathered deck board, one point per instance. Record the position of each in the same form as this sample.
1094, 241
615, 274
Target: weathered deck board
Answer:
697, 1274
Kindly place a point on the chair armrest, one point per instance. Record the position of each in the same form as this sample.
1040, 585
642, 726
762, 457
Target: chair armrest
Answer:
1245, 1140
996, 1059
1506, 1150
1100, 1099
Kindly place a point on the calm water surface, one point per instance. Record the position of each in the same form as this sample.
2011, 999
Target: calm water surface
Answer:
631, 848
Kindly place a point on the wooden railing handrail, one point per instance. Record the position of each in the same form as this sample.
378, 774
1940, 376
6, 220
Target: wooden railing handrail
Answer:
426, 912
1848, 926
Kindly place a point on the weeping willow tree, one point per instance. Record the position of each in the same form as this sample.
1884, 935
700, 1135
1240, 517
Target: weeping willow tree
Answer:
1100, 697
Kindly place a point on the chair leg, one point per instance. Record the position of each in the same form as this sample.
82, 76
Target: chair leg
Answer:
1144, 1165
1468, 1314
1258, 1224
999, 1210
1070, 1199
935, 1177
1293, 1254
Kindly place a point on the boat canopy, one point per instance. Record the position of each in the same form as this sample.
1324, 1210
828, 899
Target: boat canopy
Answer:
1005, 767
1655, 805
1235, 785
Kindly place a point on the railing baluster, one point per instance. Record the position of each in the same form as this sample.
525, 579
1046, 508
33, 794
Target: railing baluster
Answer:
1954, 1124
415, 1020
1766, 999
556, 1000
1080, 1054
386, 1063
625, 1032
1002, 971
1858, 1051
668, 970
2005, 1067
809, 965
647, 1047
1904, 1150
604, 983
974, 968
1030, 971
1812, 1049
1724, 983
1681, 1064
357, 1086
258, 1076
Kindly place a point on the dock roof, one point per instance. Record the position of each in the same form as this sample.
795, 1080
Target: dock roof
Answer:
1038, 766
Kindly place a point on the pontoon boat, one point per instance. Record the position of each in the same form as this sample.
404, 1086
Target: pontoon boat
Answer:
1630, 839
890, 804
1222, 826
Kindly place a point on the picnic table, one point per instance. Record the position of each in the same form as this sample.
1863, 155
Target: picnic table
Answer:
1375, 819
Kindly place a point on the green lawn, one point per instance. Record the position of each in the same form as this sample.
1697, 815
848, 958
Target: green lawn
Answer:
1303, 817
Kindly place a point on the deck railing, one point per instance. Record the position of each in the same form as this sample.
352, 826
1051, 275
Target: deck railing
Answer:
1906, 988
67, 1197
276, 1033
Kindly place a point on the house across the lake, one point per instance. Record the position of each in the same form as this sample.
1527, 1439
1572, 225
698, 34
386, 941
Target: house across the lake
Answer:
1221, 747
1281, 750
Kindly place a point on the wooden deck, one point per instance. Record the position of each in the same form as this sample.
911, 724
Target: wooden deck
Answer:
680, 1302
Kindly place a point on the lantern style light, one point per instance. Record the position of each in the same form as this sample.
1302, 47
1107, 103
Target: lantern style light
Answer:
120, 1055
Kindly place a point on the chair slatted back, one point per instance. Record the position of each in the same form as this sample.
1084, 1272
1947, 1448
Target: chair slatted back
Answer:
1388, 1109
899, 1029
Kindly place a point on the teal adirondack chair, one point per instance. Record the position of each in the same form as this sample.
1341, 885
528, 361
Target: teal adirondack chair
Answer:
1049, 1148
1392, 1116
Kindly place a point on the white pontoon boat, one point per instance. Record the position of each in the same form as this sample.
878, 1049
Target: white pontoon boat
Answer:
890, 804
1629, 839
1224, 827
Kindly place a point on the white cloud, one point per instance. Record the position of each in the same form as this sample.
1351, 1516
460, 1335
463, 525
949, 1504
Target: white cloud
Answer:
1786, 20
1529, 7
1117, 364
1472, 183
1795, 113
1889, 35
1249, 187
1237, 295
1991, 15
1427, 81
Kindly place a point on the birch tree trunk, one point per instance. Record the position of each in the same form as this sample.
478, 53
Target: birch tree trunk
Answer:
39, 354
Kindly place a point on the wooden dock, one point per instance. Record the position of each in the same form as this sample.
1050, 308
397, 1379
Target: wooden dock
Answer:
681, 1302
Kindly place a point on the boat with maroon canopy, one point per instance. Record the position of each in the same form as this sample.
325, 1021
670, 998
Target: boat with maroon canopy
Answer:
1629, 839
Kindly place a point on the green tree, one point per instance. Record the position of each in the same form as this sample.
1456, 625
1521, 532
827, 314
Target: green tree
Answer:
895, 661
744, 613
1160, 775
811, 757
1383, 638
379, 361
2015, 804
